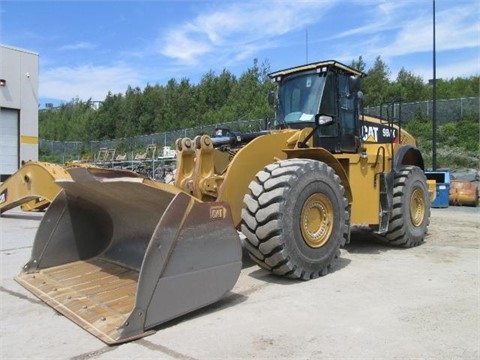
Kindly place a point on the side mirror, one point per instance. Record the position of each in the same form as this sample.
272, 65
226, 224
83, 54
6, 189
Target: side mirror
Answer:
354, 84
271, 97
360, 102
323, 119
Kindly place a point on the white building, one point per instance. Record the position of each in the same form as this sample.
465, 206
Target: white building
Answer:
18, 108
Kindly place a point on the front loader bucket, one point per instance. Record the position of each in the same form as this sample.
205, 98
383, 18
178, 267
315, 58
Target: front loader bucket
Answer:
119, 254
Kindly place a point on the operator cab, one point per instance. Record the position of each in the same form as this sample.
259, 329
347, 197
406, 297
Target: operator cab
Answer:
323, 95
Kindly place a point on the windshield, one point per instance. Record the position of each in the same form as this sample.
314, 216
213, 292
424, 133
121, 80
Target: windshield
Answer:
299, 98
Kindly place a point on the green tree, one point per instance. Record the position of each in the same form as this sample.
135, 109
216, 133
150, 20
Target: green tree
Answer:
410, 87
109, 117
222, 98
376, 86
458, 87
359, 64
248, 98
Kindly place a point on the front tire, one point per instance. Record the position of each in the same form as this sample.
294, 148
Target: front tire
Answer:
296, 218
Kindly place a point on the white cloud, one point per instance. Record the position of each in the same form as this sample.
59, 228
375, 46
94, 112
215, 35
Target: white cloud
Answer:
378, 16
226, 34
238, 29
402, 32
83, 45
185, 48
454, 28
86, 81
458, 69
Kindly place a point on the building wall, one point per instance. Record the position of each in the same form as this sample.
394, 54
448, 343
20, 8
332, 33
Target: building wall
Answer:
18, 98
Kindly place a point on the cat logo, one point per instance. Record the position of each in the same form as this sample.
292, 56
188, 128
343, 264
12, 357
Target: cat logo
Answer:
218, 212
370, 133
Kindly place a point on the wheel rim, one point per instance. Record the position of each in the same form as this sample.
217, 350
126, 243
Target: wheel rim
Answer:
417, 207
317, 220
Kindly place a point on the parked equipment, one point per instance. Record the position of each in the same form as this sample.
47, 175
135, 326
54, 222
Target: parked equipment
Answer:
120, 255
442, 184
463, 193
32, 186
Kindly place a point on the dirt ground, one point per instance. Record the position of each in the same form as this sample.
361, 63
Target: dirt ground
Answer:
378, 303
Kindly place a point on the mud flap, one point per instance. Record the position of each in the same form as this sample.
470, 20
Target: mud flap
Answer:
120, 255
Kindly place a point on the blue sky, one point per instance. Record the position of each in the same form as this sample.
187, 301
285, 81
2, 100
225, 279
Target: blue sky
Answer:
88, 48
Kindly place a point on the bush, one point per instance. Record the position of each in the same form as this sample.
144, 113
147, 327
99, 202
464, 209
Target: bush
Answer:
457, 142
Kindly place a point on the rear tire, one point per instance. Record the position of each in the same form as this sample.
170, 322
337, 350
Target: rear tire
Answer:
296, 218
411, 209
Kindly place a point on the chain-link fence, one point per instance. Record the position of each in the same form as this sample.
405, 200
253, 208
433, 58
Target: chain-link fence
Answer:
447, 111
76, 150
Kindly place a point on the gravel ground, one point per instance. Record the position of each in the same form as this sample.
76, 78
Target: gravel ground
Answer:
378, 303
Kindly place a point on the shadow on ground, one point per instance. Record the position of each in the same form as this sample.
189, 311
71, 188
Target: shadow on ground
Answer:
32, 216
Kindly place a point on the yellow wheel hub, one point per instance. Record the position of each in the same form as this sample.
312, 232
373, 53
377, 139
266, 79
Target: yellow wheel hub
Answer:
317, 220
417, 207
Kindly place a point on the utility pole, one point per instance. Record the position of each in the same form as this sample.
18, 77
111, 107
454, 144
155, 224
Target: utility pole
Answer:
434, 110
306, 45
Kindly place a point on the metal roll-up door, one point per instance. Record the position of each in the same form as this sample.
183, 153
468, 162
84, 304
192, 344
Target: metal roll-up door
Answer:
9, 139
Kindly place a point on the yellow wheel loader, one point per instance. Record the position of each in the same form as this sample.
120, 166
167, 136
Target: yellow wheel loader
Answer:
119, 254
